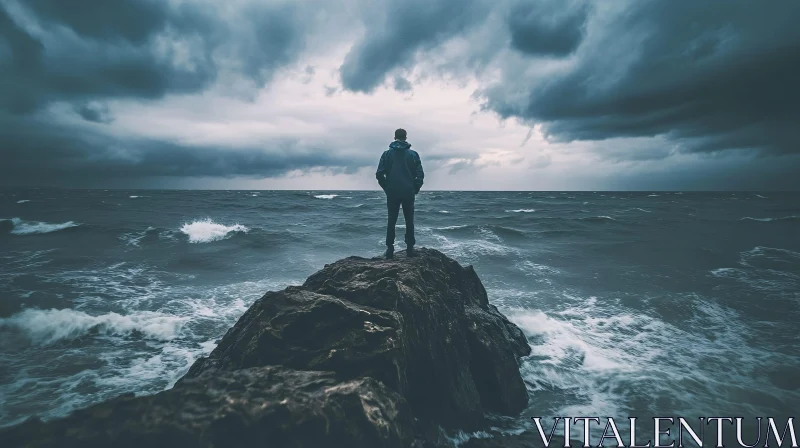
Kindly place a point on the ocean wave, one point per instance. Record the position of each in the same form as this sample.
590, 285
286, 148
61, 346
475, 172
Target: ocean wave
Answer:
206, 231
762, 251
531, 268
326, 196
521, 210
43, 327
597, 218
22, 201
472, 249
785, 218
134, 238
765, 280
452, 227
444, 211
21, 227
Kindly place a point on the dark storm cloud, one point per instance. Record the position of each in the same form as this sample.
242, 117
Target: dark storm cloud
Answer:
712, 76
44, 154
85, 53
547, 27
90, 56
136, 49
131, 20
404, 28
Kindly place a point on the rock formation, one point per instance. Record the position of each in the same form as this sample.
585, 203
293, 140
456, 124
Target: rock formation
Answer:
366, 353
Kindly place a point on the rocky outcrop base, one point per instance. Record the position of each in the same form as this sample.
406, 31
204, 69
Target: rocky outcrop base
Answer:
367, 352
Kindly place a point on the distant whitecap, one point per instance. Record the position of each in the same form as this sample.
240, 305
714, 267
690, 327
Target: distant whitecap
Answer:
784, 218
21, 227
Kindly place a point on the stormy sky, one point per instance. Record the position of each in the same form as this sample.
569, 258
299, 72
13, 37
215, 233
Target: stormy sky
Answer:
495, 94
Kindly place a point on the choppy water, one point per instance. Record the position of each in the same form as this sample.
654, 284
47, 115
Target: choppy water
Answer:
635, 304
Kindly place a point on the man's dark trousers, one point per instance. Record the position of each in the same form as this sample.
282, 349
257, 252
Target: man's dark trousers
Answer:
393, 203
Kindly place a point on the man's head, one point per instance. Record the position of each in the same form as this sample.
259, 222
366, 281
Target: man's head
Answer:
400, 134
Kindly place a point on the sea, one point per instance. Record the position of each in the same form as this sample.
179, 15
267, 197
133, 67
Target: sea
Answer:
634, 303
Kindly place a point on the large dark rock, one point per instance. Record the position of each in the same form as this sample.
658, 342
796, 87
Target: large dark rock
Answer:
262, 406
423, 326
367, 352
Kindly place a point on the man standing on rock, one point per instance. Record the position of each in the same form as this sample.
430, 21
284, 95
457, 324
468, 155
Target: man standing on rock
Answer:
400, 175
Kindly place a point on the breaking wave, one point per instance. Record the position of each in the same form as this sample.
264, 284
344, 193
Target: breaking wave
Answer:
206, 231
44, 327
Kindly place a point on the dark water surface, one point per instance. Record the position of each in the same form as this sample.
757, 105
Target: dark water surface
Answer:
635, 304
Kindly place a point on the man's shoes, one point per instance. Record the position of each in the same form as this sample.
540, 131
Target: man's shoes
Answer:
389, 252
410, 252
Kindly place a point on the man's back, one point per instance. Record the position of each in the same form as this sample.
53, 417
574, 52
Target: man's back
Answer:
400, 170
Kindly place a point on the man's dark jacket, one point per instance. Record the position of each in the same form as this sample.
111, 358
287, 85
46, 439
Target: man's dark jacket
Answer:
400, 170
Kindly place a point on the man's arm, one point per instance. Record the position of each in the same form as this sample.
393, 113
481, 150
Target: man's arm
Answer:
381, 173
419, 176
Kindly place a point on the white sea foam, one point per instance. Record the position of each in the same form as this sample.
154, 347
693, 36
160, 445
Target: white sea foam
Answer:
44, 327
460, 437
22, 201
567, 344
21, 227
205, 231
326, 196
596, 349
521, 210
134, 197
451, 227
443, 211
